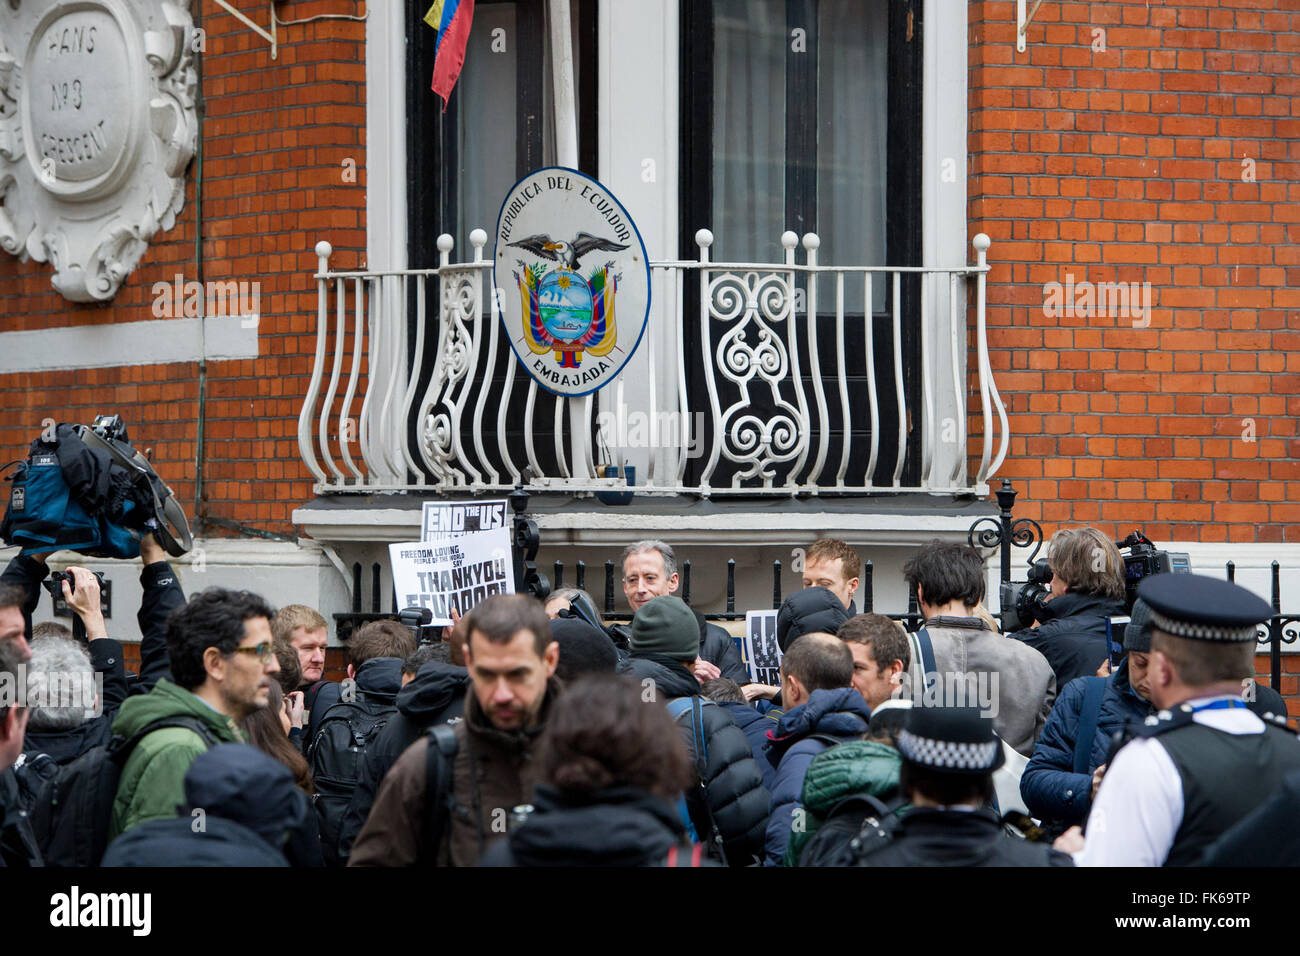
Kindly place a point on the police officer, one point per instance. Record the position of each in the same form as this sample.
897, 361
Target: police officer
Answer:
948, 758
1205, 760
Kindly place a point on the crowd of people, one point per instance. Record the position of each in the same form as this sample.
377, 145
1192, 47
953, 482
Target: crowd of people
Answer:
535, 733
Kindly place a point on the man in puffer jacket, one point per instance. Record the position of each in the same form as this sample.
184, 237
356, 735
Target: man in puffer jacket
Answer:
241, 808
1087, 587
824, 709
839, 781
664, 645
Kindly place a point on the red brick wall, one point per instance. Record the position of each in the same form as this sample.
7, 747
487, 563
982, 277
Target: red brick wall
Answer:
275, 134
1127, 165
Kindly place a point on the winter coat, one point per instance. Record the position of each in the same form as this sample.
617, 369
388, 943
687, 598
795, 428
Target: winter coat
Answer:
242, 808
1017, 677
834, 775
755, 726
436, 695
152, 784
1051, 789
622, 826
1072, 635
733, 785
493, 770
840, 714
17, 843
719, 648
928, 836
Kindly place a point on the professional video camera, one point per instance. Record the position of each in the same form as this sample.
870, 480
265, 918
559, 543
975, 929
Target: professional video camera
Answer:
1145, 559
1024, 602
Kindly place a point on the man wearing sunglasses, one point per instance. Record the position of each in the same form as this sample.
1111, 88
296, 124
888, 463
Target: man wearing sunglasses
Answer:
222, 665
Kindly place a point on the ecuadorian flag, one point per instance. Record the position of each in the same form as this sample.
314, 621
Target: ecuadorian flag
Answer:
452, 19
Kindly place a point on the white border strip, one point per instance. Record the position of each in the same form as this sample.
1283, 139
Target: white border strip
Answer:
150, 342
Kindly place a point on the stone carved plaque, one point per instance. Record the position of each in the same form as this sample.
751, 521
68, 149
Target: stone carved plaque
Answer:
97, 127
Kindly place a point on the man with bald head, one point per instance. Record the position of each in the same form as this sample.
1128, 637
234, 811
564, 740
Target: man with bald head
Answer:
822, 706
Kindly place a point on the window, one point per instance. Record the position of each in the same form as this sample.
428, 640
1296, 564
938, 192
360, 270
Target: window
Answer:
499, 123
805, 115
498, 126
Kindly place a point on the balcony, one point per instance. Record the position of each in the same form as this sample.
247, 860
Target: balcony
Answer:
767, 380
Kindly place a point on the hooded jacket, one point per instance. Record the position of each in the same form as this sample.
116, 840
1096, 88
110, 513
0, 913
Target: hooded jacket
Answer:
436, 695
840, 714
493, 770
836, 775
966, 651
732, 784
1072, 635
1051, 789
621, 826
242, 808
152, 784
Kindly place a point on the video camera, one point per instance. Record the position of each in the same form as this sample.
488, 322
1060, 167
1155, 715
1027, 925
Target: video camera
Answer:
1145, 559
1024, 602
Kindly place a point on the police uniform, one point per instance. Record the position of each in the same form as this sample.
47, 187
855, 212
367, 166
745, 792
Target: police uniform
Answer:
949, 740
1194, 770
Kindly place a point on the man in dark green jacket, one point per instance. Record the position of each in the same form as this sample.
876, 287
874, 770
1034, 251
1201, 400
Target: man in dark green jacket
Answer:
222, 665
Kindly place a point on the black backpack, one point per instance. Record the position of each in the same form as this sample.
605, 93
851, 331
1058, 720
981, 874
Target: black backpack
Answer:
335, 756
73, 812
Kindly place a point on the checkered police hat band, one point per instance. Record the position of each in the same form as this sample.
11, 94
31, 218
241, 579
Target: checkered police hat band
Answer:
947, 753
1204, 632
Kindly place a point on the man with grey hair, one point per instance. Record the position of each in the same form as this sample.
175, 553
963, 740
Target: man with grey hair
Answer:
75, 689
650, 571
65, 701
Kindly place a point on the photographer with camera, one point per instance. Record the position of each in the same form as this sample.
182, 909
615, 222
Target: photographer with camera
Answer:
1086, 588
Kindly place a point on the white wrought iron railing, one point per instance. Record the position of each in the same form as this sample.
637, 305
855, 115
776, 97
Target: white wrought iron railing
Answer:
404, 398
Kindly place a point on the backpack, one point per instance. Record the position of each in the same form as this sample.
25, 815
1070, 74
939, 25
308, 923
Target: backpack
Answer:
335, 757
678, 708
73, 812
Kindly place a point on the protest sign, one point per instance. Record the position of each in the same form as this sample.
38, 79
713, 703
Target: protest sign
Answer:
762, 654
463, 558
440, 519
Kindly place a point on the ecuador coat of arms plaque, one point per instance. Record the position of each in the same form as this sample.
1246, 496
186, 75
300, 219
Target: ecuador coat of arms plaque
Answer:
573, 280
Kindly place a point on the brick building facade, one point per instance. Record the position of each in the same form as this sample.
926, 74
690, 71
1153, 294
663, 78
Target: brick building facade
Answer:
1131, 142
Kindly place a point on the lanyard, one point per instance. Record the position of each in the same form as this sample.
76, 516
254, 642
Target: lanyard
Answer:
1227, 703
